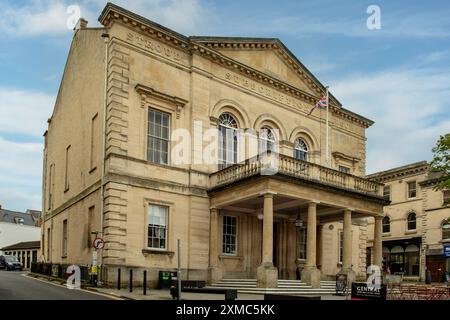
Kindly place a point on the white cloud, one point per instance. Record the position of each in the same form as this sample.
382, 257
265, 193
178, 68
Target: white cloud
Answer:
24, 112
20, 175
52, 17
17, 199
36, 18
23, 116
410, 109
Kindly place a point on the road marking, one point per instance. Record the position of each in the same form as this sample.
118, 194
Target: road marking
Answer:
84, 290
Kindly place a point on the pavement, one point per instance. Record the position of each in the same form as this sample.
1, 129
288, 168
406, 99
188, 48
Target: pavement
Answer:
25, 286
137, 294
16, 285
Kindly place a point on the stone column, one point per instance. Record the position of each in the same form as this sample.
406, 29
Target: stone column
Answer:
311, 275
377, 241
215, 273
267, 274
347, 247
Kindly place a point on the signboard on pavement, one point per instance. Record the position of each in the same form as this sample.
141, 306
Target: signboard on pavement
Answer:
362, 291
341, 284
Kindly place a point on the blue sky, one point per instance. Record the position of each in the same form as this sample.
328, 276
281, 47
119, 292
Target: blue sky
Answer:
398, 76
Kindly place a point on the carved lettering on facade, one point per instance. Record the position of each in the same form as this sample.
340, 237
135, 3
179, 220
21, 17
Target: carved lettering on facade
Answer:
154, 47
347, 125
265, 91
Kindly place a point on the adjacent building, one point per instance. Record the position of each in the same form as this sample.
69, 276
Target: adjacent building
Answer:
18, 227
156, 136
416, 226
26, 252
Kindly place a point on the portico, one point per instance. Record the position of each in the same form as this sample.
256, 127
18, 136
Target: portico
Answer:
266, 208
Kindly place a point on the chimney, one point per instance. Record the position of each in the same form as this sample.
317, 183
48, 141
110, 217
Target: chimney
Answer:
81, 24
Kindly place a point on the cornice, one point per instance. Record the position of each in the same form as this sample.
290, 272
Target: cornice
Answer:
113, 13
340, 155
146, 92
399, 174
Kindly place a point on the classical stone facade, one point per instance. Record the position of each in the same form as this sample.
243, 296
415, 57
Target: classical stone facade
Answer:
416, 226
110, 168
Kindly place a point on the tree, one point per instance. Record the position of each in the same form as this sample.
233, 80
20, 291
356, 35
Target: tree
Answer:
441, 162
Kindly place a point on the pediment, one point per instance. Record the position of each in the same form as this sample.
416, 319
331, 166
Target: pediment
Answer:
269, 56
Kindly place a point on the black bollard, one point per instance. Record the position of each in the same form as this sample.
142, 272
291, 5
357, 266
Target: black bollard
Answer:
131, 280
145, 282
118, 279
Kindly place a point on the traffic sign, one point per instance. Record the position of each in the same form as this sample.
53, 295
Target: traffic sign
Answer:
98, 243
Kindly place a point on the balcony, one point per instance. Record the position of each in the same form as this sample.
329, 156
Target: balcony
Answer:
278, 164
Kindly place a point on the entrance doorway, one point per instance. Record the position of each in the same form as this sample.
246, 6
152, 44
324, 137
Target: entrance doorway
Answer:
436, 264
275, 244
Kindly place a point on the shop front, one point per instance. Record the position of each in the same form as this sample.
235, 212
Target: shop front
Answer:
402, 257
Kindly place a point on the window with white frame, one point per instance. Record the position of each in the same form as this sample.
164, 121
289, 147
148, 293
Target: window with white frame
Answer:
446, 196
344, 169
301, 242
301, 150
229, 234
64, 238
228, 140
158, 136
267, 140
446, 230
157, 220
341, 246
412, 189
411, 221
387, 192
386, 225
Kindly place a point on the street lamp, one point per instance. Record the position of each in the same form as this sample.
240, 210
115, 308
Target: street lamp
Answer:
298, 222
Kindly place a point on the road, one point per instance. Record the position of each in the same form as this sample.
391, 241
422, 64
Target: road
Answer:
16, 286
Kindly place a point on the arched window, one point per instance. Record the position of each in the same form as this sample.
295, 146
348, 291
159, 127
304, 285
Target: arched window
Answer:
386, 224
301, 150
446, 230
267, 140
412, 221
228, 140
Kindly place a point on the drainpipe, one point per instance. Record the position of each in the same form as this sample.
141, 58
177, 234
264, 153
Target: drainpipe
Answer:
105, 37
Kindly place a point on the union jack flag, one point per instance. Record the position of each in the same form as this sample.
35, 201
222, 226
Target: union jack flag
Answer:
321, 104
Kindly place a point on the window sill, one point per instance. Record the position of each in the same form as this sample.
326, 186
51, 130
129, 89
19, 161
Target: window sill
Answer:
229, 256
156, 251
64, 257
386, 234
411, 231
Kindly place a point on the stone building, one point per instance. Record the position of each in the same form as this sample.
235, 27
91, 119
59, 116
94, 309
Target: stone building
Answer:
272, 200
26, 252
416, 226
16, 227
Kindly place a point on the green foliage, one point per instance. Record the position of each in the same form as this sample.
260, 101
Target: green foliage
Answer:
441, 162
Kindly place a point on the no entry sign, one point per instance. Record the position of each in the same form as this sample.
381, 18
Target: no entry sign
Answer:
98, 243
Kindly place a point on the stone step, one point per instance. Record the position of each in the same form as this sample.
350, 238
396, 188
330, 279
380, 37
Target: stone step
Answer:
228, 285
306, 289
291, 291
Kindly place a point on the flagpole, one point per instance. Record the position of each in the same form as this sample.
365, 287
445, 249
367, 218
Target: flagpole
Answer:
326, 131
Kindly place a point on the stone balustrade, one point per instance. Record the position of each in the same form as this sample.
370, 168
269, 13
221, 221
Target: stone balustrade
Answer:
273, 163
